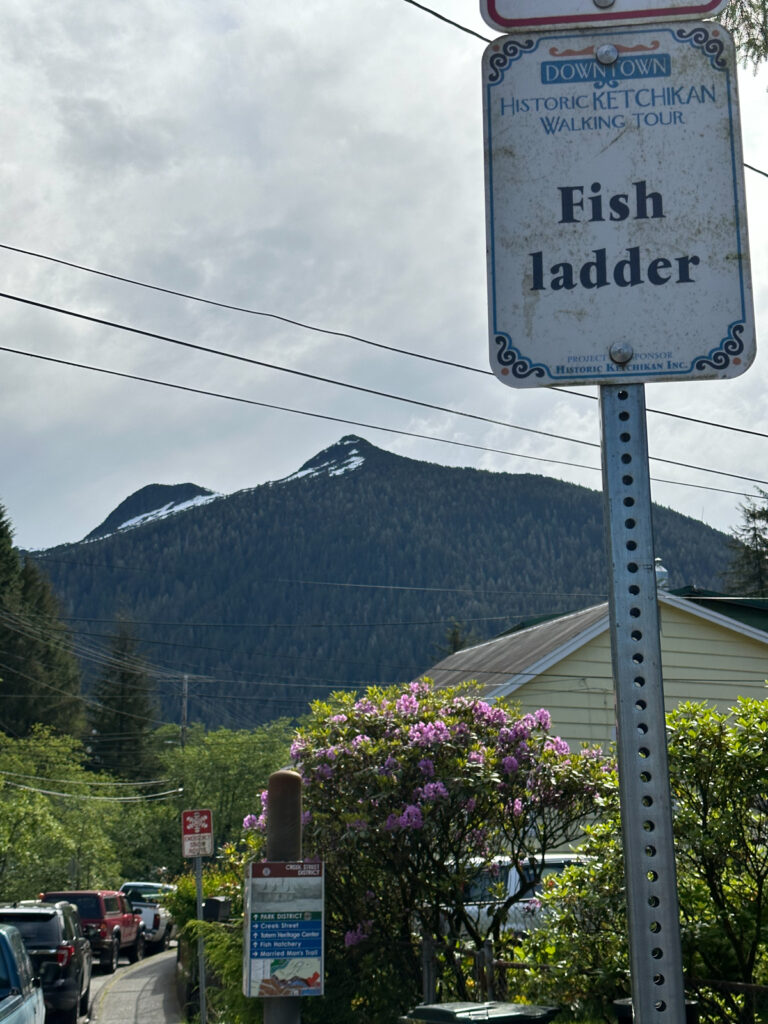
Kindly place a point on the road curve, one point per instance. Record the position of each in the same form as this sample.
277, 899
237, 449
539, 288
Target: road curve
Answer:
144, 993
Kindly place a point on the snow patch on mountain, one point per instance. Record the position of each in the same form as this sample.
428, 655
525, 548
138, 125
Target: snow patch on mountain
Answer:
152, 503
345, 456
171, 508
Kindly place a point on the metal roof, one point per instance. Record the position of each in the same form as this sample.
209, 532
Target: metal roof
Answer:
495, 662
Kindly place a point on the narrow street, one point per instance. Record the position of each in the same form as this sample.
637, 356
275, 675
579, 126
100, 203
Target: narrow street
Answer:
144, 992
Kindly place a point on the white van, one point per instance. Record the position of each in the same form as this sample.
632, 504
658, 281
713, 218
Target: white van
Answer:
503, 878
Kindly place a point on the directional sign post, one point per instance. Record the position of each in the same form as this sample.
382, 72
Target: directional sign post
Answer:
283, 929
197, 842
617, 255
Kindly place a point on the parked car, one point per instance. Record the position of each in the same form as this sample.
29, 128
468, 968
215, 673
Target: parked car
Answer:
146, 898
147, 889
21, 997
109, 922
503, 879
60, 954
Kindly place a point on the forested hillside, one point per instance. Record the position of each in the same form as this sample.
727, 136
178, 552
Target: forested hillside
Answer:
351, 571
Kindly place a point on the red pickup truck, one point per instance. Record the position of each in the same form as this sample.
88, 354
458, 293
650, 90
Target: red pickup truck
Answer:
109, 922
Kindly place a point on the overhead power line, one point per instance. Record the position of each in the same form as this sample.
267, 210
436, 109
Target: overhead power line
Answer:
263, 364
410, 353
89, 780
143, 798
345, 421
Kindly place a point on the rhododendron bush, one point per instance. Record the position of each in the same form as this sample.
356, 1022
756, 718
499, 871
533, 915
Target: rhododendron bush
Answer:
407, 792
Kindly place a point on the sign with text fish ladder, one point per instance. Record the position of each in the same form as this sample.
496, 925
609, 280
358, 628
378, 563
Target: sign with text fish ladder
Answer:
617, 237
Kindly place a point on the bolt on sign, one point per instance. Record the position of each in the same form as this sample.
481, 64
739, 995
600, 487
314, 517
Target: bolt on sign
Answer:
617, 236
197, 833
283, 922
538, 15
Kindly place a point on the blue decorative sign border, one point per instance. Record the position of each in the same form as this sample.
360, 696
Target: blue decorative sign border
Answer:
509, 359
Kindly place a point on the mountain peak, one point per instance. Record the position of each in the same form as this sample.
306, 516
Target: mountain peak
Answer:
155, 501
345, 456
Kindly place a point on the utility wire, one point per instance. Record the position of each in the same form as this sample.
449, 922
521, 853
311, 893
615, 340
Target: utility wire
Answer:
449, 21
351, 337
304, 374
145, 798
85, 780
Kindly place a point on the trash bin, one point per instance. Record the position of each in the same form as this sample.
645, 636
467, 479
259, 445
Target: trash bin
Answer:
469, 1013
623, 1010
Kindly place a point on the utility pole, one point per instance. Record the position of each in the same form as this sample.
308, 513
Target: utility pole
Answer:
184, 703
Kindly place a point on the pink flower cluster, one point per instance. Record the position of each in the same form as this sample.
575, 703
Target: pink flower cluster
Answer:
359, 934
410, 818
429, 734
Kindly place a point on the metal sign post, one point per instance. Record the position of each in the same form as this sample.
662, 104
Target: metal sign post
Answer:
646, 815
197, 842
617, 255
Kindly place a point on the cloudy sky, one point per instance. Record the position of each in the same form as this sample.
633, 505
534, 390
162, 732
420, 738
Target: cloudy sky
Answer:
320, 163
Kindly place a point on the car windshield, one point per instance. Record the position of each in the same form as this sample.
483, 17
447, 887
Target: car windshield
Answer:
88, 905
36, 929
485, 885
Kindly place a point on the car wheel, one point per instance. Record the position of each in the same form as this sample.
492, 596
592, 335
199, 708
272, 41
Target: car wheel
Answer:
85, 999
165, 941
138, 949
110, 958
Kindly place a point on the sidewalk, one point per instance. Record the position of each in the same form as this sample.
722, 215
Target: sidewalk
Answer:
144, 992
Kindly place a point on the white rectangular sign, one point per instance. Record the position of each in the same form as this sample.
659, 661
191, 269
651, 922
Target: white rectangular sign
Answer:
540, 15
283, 921
617, 238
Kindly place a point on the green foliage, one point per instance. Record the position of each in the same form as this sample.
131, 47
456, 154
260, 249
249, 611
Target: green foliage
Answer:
228, 770
748, 21
122, 712
52, 833
718, 775
407, 793
747, 574
39, 676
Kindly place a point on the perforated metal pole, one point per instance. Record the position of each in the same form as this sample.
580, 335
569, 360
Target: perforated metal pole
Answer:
658, 995
200, 941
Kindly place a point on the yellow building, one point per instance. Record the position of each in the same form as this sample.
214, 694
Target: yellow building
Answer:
713, 648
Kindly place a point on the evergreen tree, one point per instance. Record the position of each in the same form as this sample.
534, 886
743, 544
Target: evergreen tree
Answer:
748, 21
456, 639
748, 572
41, 677
122, 715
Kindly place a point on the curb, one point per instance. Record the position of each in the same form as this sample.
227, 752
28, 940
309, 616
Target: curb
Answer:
98, 1004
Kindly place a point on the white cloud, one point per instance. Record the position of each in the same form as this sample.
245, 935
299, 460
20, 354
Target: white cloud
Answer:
322, 162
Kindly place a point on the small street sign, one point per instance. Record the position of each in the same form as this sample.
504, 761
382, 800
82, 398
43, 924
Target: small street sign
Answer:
283, 941
617, 237
197, 833
540, 15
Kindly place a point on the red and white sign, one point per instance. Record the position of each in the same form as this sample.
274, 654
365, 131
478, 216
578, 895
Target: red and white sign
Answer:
197, 833
540, 15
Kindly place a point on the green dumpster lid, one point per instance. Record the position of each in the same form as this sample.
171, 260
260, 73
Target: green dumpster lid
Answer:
466, 1013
